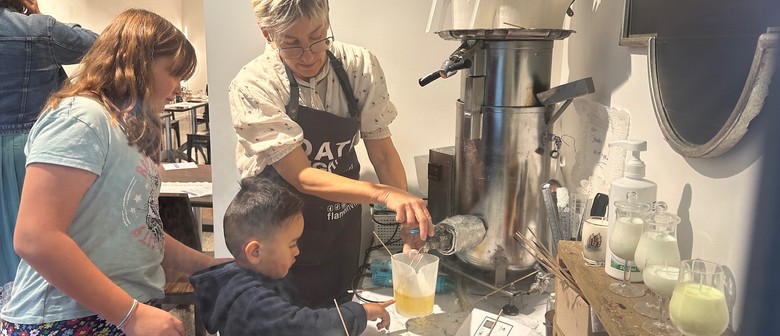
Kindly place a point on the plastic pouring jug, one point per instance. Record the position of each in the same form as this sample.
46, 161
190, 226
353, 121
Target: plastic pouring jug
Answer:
414, 283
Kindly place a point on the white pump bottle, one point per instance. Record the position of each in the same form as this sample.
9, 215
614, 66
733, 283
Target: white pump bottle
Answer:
632, 180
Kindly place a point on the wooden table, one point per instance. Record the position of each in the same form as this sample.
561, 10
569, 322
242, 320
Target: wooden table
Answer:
615, 312
200, 174
192, 107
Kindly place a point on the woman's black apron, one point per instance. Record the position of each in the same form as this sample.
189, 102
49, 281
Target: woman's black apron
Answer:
330, 244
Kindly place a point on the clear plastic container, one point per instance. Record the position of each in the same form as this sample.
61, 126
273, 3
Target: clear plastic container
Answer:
414, 283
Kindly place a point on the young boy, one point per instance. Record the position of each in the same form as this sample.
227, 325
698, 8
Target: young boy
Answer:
254, 295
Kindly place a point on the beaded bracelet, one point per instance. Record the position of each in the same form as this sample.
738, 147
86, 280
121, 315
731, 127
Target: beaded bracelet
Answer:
129, 312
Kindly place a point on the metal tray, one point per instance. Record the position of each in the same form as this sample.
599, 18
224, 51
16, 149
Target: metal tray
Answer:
505, 34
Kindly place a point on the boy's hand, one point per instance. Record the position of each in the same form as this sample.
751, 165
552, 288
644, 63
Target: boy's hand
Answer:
377, 310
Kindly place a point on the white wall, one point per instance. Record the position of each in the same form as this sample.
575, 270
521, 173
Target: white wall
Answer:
192, 20
713, 196
232, 40
96, 15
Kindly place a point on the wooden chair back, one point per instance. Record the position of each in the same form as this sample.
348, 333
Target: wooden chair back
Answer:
179, 221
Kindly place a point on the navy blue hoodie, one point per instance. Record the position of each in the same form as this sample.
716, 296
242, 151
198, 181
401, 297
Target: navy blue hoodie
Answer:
238, 302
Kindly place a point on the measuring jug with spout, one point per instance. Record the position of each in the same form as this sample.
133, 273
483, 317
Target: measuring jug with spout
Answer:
414, 283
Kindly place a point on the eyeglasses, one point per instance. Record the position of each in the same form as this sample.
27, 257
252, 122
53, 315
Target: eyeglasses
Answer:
316, 47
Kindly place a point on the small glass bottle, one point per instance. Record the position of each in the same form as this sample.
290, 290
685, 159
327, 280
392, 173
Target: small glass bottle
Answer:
550, 302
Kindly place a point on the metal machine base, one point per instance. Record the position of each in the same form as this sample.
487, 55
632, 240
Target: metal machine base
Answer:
480, 282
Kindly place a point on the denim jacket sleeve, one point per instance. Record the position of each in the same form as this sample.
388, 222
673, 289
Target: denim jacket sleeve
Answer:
70, 42
33, 49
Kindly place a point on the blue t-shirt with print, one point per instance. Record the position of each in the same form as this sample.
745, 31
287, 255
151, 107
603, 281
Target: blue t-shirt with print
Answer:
117, 223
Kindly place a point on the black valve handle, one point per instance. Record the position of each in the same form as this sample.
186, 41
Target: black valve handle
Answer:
446, 72
430, 78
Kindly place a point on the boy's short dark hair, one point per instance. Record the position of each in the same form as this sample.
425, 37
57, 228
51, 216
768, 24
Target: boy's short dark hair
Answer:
258, 210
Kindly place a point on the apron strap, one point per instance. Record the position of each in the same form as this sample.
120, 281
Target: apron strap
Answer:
354, 111
292, 105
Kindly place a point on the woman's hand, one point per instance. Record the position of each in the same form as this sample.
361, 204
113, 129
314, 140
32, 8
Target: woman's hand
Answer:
148, 320
411, 240
410, 211
378, 310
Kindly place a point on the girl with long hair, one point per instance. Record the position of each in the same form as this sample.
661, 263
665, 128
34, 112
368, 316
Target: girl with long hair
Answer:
88, 231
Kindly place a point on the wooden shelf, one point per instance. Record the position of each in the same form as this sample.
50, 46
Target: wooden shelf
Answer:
616, 313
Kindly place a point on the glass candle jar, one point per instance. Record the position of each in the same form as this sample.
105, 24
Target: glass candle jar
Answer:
698, 306
594, 240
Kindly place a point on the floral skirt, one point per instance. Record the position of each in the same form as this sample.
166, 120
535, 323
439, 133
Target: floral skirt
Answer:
85, 326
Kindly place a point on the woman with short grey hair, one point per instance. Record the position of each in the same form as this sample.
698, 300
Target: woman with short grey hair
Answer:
298, 110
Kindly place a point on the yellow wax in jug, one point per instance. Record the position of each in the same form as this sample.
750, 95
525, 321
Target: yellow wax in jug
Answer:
413, 306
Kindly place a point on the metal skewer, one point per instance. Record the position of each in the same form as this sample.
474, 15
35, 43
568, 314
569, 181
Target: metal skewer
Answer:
505, 286
418, 257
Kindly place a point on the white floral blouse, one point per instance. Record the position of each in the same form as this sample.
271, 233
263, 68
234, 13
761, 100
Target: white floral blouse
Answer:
261, 90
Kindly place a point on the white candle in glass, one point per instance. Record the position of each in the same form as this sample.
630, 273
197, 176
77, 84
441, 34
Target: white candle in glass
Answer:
659, 245
659, 236
625, 237
661, 279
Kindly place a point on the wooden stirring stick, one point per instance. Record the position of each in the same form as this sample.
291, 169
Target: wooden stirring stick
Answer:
341, 317
496, 322
383, 243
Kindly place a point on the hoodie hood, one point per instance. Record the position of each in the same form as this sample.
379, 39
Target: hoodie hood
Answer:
215, 293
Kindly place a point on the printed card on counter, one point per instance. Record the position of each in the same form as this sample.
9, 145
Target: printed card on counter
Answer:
192, 189
179, 165
481, 323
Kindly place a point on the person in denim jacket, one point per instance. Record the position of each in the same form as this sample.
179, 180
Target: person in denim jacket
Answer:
33, 48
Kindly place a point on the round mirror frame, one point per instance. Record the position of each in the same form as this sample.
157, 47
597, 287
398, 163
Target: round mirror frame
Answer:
750, 103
